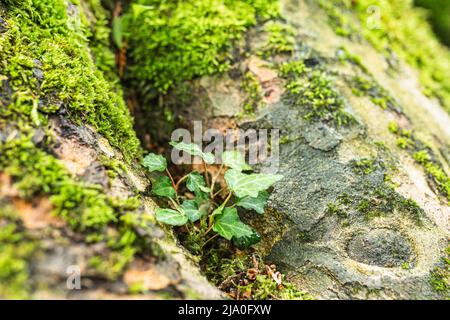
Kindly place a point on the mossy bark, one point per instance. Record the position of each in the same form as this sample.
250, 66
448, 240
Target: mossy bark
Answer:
75, 213
363, 209
361, 213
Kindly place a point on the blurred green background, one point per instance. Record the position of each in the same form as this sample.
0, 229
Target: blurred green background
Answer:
439, 17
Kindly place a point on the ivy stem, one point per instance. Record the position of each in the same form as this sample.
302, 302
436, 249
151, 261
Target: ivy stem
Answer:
211, 217
210, 239
177, 185
226, 199
208, 230
175, 203
215, 194
214, 178
206, 172
171, 179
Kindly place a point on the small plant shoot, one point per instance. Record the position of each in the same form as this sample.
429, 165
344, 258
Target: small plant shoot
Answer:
205, 207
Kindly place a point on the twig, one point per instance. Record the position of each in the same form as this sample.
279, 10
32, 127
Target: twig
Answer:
177, 185
214, 236
214, 180
215, 194
171, 179
208, 230
175, 203
226, 199
206, 172
221, 206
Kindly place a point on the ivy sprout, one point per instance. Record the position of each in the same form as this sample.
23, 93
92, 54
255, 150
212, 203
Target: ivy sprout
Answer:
205, 208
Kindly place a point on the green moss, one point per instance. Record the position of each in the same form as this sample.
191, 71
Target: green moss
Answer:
34, 172
377, 200
439, 17
231, 275
365, 166
334, 209
393, 127
292, 69
179, 40
252, 88
16, 250
281, 39
284, 139
344, 55
99, 40
423, 156
406, 266
366, 86
47, 68
404, 143
113, 167
440, 276
341, 207
264, 288
218, 269
384, 201
112, 265
412, 208
85, 207
313, 90
342, 24
51, 74
412, 39
440, 177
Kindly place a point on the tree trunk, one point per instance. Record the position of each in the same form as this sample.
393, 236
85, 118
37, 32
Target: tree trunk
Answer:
362, 211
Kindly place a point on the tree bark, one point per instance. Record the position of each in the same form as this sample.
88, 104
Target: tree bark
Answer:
357, 215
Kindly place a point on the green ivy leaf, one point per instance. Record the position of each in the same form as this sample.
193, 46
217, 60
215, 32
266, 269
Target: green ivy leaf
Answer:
163, 187
117, 31
203, 207
194, 150
190, 207
247, 241
154, 162
218, 211
258, 203
235, 160
244, 185
228, 225
195, 181
201, 197
171, 217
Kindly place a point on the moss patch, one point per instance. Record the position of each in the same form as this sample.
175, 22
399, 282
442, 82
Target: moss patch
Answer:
366, 86
47, 69
179, 40
16, 249
252, 88
249, 278
378, 197
440, 276
46, 62
424, 156
281, 39
312, 89
412, 38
